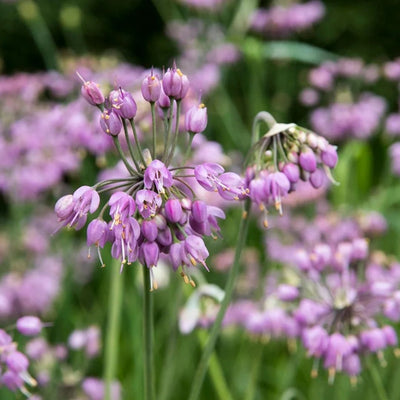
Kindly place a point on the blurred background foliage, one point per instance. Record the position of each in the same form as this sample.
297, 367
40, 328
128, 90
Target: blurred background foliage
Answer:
134, 31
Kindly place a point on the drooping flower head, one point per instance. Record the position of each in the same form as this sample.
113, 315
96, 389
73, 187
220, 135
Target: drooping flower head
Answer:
283, 156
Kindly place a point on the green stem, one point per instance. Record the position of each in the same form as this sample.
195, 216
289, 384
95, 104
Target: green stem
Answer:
153, 122
252, 385
377, 380
263, 116
175, 137
113, 328
167, 129
137, 142
216, 373
233, 274
167, 378
189, 147
148, 336
130, 147
123, 158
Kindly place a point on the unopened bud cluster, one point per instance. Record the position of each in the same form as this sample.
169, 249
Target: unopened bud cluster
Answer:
285, 155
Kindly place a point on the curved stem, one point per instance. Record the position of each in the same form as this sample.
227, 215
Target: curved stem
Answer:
113, 328
132, 122
123, 158
153, 123
233, 274
263, 116
148, 336
130, 147
175, 138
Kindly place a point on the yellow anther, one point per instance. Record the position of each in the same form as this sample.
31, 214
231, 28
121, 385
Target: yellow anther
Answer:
152, 78
192, 282
193, 261
201, 105
314, 373
244, 215
179, 72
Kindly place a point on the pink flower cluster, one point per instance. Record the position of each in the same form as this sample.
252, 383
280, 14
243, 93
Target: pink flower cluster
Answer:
153, 209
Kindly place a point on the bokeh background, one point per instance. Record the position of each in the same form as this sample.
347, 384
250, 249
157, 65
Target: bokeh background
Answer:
50, 144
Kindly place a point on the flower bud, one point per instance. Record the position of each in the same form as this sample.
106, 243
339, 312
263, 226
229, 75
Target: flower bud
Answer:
175, 84
329, 156
196, 119
199, 211
64, 206
91, 93
164, 101
97, 232
317, 178
173, 210
110, 122
307, 160
292, 172
29, 325
123, 103
149, 254
149, 230
151, 88
287, 292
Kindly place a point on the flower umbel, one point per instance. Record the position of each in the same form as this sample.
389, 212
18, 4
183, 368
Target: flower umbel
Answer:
154, 211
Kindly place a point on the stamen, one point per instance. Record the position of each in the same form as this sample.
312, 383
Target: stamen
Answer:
100, 258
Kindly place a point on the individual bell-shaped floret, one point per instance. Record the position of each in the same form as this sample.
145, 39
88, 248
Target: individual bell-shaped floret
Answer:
148, 203
91, 92
175, 83
123, 103
196, 119
307, 160
159, 175
110, 122
151, 88
173, 210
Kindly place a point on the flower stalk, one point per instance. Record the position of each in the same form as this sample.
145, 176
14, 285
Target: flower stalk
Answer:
230, 285
113, 328
148, 332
